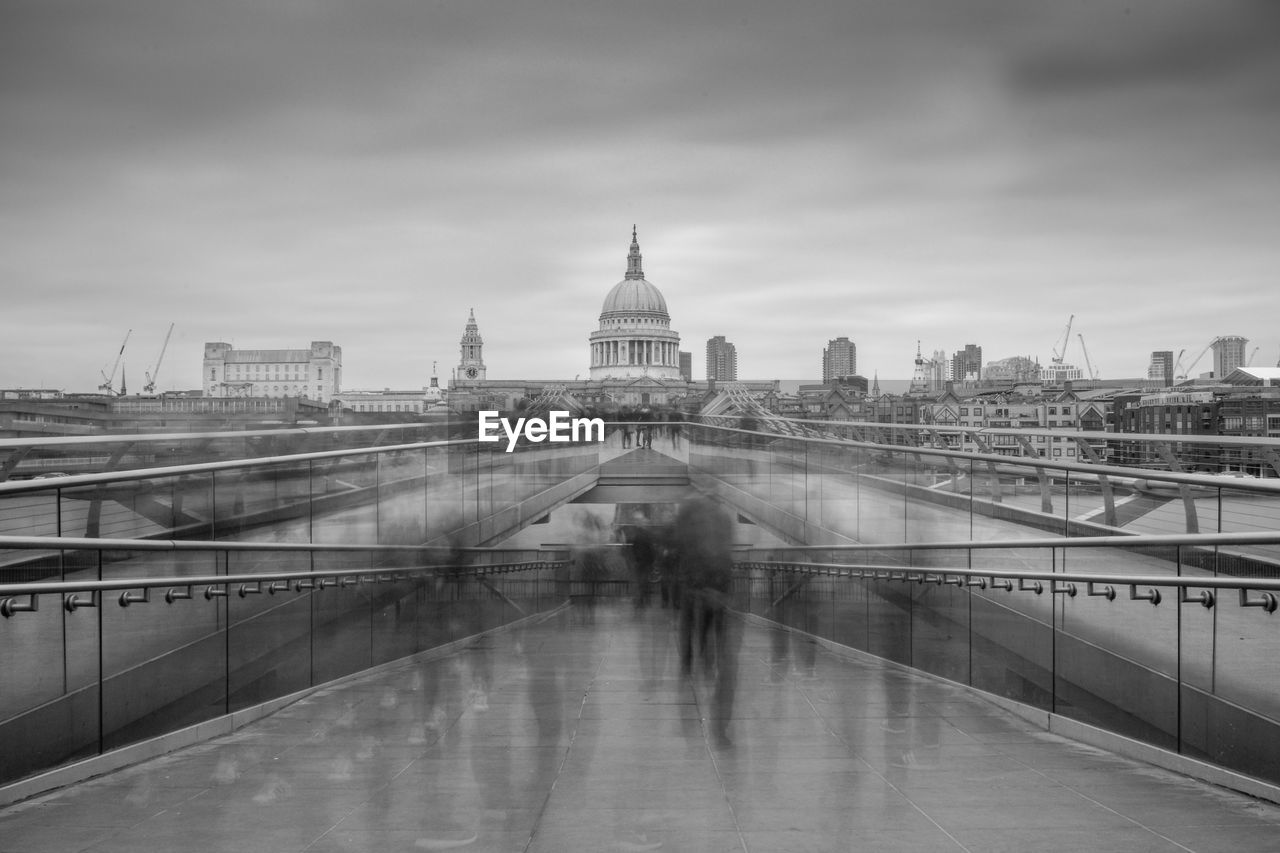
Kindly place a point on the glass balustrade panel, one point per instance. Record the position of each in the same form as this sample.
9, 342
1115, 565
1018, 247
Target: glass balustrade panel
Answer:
270, 635
1117, 658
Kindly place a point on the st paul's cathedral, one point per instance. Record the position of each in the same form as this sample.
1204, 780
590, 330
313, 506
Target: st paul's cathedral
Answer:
634, 356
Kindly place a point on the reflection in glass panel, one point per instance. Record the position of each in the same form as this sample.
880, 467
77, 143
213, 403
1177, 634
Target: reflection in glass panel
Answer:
940, 630
402, 498
164, 662
269, 634
344, 500
49, 660
1117, 659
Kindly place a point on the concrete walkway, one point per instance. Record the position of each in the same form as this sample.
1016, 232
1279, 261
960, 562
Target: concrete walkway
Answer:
581, 734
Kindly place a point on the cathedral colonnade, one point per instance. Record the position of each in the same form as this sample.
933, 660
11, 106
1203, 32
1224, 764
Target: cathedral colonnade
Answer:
635, 352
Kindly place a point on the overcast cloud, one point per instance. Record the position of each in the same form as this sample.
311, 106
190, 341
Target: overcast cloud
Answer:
956, 172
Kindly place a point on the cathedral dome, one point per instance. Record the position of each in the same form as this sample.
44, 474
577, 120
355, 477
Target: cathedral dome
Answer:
635, 340
632, 295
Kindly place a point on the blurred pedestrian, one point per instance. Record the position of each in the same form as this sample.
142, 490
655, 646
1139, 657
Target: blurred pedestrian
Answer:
644, 552
702, 537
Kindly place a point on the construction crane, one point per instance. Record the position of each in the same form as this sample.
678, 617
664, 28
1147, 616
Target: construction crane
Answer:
1059, 356
150, 387
1249, 363
1085, 350
1197, 360
109, 383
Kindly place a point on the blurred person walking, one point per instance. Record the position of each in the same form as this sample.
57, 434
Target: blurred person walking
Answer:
701, 538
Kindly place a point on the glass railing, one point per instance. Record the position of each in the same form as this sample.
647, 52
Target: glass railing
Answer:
392, 494
22, 458
332, 555
829, 489
1154, 638
951, 568
1138, 600
140, 638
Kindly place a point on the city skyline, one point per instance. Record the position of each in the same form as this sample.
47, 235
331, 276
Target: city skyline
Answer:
367, 173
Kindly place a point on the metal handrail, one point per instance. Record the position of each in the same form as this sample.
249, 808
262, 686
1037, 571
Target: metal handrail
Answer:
1059, 582
1113, 472
1266, 486
172, 437
841, 569
14, 486
1093, 435
1127, 542
71, 543
248, 583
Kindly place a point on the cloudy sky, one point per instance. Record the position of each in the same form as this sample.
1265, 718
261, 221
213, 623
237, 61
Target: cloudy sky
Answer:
969, 171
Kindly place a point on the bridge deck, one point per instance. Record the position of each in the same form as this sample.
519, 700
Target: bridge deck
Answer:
580, 733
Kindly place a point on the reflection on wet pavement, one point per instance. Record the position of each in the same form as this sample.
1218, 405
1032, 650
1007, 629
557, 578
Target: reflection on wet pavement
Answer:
569, 734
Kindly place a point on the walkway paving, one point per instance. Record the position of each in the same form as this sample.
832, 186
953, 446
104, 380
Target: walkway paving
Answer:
581, 734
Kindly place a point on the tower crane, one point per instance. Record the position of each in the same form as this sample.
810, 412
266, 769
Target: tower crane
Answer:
110, 381
1066, 336
1085, 350
150, 387
1193, 364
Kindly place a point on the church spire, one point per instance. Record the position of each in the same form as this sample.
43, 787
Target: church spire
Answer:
633, 259
919, 379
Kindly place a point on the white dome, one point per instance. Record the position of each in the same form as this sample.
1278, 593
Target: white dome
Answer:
634, 295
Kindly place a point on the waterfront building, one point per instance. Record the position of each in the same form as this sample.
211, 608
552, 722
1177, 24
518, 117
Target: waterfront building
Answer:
314, 373
30, 393
100, 414
387, 401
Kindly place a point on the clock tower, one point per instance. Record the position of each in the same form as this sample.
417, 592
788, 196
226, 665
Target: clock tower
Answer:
471, 366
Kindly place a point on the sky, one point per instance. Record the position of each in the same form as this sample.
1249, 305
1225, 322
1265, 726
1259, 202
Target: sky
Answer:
894, 171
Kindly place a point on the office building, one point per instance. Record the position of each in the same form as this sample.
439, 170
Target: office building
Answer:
840, 358
1160, 371
966, 364
722, 360
1228, 354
